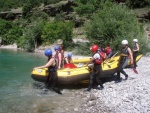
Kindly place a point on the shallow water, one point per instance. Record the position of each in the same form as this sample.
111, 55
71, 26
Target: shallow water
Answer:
19, 93
17, 89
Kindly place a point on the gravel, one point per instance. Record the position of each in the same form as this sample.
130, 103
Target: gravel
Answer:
130, 96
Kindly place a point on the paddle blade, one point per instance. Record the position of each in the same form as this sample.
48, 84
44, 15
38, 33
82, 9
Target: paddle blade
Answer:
135, 71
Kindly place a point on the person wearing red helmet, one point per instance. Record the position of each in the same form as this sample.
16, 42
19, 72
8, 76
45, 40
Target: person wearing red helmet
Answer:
97, 60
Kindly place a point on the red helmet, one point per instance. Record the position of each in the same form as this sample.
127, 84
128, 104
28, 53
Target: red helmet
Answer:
94, 48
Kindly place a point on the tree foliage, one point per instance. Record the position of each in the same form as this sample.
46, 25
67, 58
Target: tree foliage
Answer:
137, 3
112, 24
88, 7
57, 30
13, 35
31, 36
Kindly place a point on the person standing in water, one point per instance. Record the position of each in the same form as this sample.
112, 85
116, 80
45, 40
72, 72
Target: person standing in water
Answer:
135, 51
97, 69
52, 68
127, 54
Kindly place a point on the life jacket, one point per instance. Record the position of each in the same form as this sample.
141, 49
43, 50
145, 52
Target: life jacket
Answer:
99, 60
135, 47
125, 51
108, 50
57, 57
70, 61
53, 68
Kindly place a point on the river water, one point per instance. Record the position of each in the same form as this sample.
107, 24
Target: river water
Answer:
19, 93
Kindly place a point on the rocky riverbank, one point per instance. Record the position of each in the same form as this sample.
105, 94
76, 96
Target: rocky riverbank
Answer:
130, 96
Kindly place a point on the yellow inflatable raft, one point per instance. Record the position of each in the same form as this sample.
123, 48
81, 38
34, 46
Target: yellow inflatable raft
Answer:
76, 75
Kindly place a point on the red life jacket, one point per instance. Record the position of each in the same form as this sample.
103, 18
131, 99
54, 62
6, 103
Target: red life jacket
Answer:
108, 50
102, 55
97, 60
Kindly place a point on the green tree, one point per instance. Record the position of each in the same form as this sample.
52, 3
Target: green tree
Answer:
31, 36
112, 24
4, 26
137, 3
88, 7
13, 35
57, 30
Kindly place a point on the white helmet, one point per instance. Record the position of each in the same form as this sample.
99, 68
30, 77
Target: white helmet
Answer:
124, 42
135, 40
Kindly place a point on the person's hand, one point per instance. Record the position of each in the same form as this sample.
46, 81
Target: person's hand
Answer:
34, 68
59, 67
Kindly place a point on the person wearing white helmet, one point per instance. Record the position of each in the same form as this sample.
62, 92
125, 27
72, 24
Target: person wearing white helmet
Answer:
135, 51
124, 60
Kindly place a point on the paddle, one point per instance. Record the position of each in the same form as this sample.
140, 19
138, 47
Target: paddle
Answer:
110, 57
106, 61
135, 71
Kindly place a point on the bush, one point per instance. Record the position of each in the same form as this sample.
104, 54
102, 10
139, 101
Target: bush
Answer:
32, 36
137, 3
112, 24
88, 7
12, 36
4, 26
57, 30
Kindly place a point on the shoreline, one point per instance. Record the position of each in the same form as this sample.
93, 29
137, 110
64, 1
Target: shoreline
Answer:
40, 50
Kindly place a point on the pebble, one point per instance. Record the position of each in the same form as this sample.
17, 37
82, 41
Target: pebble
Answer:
130, 96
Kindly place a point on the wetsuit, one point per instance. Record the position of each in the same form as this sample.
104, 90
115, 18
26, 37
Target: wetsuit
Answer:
123, 62
52, 77
96, 72
135, 53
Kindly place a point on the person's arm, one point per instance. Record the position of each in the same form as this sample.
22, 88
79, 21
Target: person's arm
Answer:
46, 65
66, 59
130, 53
137, 45
91, 60
59, 63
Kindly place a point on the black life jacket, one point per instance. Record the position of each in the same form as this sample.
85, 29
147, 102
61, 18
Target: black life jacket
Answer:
135, 47
125, 51
53, 68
